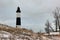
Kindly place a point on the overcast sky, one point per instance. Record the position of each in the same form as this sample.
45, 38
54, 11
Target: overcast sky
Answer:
34, 13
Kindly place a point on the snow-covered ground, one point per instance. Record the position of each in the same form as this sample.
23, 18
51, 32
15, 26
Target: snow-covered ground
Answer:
8, 36
50, 38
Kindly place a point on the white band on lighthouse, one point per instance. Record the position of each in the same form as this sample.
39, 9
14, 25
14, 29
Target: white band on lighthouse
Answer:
18, 15
18, 26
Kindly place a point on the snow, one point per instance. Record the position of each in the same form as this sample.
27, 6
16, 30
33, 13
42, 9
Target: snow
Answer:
54, 33
34, 37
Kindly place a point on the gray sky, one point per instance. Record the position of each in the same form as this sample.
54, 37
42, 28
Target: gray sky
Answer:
34, 13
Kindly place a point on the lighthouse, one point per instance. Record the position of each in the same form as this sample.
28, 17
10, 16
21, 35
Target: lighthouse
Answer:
18, 17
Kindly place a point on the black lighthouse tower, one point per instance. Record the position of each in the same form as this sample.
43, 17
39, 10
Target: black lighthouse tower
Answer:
18, 17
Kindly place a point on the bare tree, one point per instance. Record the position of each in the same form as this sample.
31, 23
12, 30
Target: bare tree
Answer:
47, 26
56, 16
